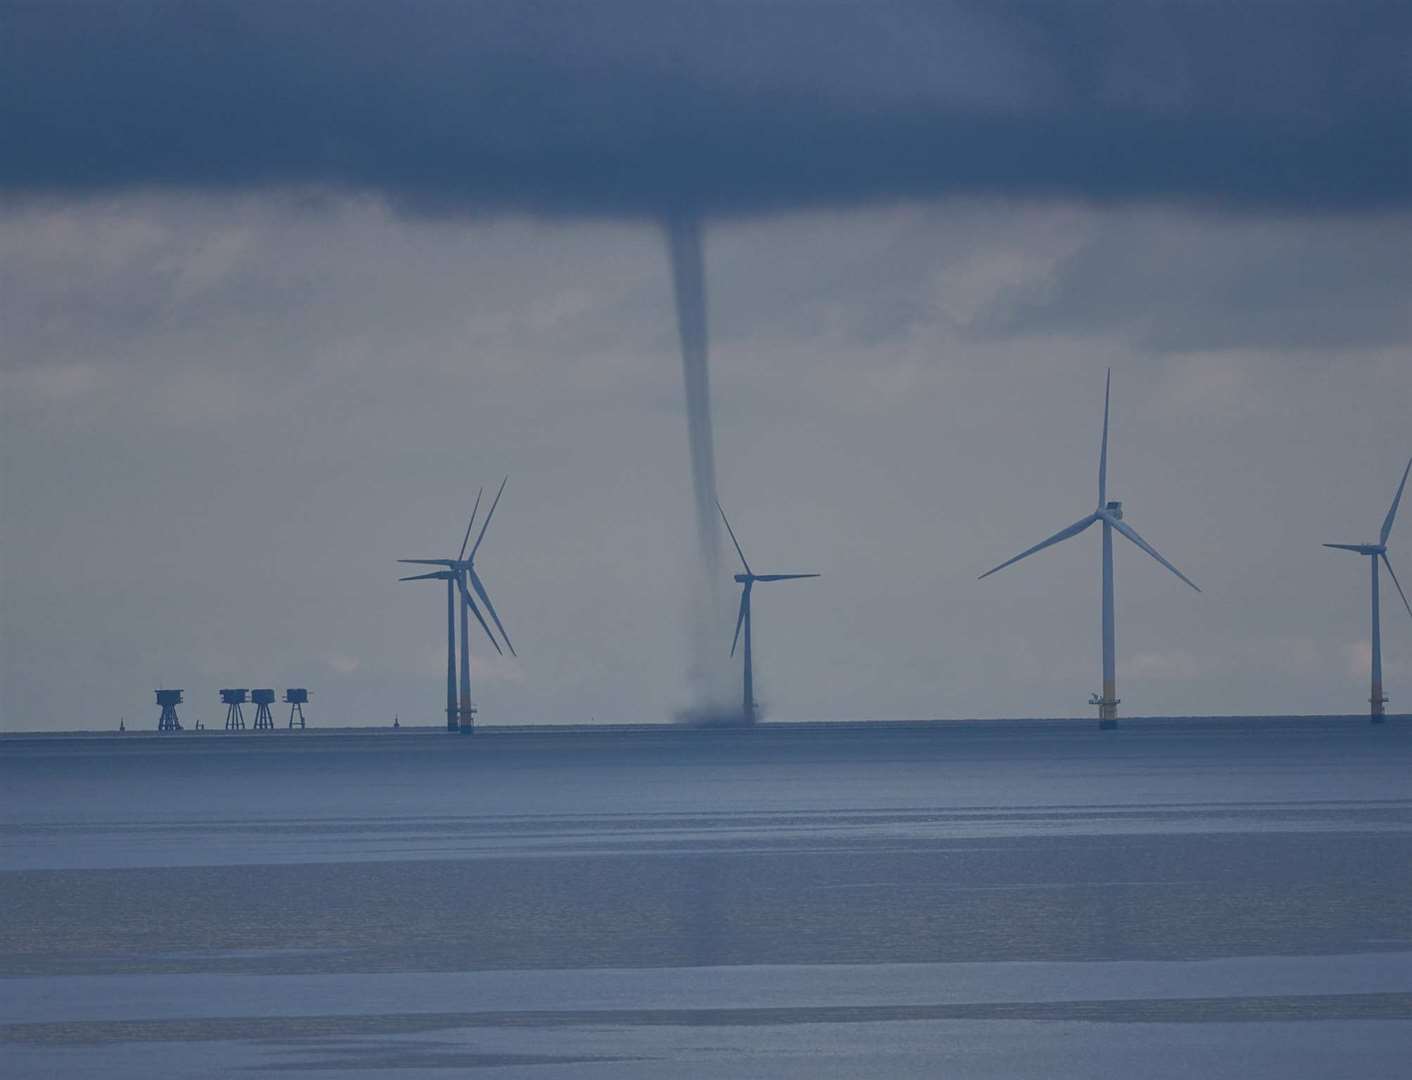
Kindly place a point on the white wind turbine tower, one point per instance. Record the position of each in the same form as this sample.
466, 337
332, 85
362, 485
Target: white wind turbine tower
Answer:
1376, 700
747, 582
1110, 514
456, 573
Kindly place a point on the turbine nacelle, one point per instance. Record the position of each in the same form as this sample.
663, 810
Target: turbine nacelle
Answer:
1113, 511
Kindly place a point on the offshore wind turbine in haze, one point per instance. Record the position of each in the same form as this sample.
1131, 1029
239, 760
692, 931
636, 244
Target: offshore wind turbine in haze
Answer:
453, 712
742, 620
458, 571
1110, 514
1376, 698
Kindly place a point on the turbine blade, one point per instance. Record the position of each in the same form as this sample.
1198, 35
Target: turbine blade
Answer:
485, 599
430, 562
439, 575
1103, 453
461, 584
470, 525
782, 577
734, 541
1347, 547
1063, 534
1400, 593
489, 516
1131, 533
740, 619
1392, 511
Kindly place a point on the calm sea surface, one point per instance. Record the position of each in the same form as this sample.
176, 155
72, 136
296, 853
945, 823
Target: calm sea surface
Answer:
1175, 899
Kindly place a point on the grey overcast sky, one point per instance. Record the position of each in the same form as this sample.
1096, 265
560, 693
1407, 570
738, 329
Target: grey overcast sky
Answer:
282, 285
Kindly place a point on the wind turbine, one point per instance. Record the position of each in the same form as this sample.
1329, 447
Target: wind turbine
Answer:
448, 577
459, 570
747, 583
1376, 700
1110, 514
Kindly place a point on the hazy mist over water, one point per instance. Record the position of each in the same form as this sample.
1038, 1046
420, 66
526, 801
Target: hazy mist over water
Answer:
1022, 899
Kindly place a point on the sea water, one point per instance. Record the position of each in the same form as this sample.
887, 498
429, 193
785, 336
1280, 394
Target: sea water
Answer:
999, 899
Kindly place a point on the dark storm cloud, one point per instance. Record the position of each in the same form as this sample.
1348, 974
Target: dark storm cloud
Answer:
626, 107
